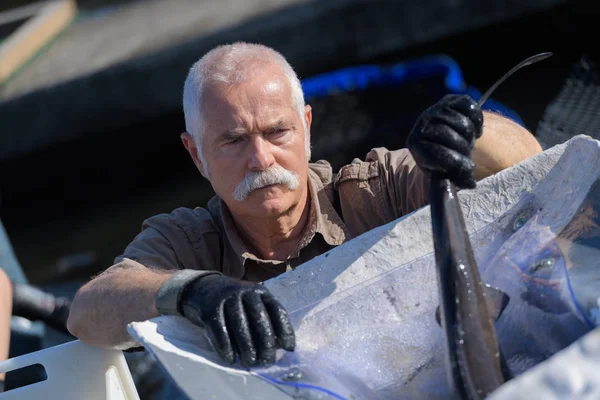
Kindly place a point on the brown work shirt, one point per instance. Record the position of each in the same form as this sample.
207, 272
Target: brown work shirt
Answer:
370, 193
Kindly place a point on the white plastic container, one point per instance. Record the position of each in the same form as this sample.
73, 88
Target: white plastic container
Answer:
75, 371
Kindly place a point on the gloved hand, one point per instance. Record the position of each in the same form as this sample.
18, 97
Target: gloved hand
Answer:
443, 137
242, 317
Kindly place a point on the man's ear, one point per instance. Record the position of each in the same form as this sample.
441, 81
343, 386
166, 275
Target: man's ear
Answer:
308, 122
308, 116
190, 145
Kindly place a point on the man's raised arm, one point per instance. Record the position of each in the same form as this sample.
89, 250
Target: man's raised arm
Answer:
457, 141
503, 144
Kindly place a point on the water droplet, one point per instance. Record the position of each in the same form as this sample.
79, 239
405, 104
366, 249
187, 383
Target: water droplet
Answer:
294, 375
461, 266
469, 291
461, 341
546, 263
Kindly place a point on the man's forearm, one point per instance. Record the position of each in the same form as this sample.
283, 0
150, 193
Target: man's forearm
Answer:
503, 143
103, 307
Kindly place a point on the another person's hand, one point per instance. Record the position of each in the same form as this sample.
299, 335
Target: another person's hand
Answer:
443, 137
243, 318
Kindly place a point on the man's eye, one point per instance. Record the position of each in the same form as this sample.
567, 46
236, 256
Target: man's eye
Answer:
233, 141
278, 132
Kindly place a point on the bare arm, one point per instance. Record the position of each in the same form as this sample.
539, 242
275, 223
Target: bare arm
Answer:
504, 143
5, 313
104, 306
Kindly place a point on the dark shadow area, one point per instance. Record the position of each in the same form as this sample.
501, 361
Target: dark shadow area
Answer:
486, 54
25, 376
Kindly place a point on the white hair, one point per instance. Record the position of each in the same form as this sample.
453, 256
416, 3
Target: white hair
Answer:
233, 64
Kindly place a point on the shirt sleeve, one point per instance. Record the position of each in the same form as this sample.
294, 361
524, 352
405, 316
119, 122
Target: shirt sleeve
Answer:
184, 239
384, 187
404, 184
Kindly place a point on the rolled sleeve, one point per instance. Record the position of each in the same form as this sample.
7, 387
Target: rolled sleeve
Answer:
404, 184
151, 249
384, 187
184, 239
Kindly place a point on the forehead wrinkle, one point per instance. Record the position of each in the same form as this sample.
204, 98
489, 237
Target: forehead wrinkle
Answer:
257, 105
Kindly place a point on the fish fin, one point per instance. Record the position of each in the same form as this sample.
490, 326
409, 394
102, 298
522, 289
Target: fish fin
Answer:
496, 301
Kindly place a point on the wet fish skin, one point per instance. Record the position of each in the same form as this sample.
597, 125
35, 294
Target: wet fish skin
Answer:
474, 363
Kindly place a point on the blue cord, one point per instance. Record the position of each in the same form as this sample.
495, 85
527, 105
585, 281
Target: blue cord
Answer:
589, 323
300, 385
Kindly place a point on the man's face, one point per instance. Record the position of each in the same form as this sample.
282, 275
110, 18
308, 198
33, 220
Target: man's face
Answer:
248, 129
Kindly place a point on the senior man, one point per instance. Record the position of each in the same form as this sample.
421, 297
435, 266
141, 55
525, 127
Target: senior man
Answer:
248, 133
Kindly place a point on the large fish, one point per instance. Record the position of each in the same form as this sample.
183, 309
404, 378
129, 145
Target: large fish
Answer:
468, 307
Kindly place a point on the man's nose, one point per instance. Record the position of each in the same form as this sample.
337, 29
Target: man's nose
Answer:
261, 156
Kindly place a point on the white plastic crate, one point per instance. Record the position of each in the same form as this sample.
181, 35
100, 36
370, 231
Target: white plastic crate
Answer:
75, 371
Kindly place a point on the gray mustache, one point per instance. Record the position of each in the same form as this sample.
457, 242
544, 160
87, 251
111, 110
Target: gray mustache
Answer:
275, 175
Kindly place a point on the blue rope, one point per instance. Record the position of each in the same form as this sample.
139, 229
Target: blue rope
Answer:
276, 382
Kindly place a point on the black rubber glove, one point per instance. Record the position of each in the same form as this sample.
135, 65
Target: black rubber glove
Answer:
443, 137
242, 317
